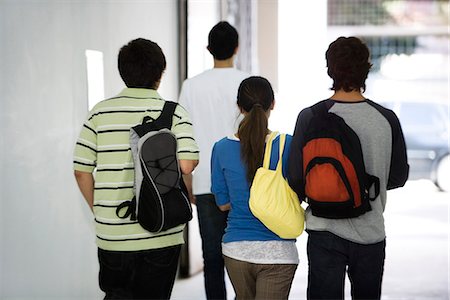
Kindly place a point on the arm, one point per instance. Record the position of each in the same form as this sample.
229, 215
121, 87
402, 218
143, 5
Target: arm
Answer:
187, 166
219, 185
189, 157
188, 151
85, 161
225, 207
85, 182
399, 169
188, 182
295, 160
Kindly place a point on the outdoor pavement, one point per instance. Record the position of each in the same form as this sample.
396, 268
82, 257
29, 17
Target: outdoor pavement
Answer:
417, 250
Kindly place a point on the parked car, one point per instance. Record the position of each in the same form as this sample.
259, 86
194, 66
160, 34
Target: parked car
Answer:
426, 129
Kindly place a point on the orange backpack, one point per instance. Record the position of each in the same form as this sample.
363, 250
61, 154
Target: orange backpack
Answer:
335, 179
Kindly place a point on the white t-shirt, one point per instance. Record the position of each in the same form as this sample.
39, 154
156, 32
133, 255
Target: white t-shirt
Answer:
210, 98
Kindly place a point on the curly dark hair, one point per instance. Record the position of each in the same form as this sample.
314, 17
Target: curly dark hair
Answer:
141, 64
348, 64
223, 40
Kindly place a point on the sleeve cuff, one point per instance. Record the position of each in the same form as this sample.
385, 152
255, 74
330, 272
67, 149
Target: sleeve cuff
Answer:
83, 168
221, 199
188, 156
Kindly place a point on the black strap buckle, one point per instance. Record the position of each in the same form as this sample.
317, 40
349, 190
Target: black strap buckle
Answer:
130, 205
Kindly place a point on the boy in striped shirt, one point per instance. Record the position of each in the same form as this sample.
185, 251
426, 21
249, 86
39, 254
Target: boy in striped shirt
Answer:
134, 263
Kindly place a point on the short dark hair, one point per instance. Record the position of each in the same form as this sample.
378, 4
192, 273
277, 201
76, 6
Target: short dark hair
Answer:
141, 63
223, 40
348, 64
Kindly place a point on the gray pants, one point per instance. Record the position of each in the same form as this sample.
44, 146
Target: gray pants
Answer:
260, 281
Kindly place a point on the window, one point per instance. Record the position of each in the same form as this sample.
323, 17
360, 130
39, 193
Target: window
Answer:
95, 79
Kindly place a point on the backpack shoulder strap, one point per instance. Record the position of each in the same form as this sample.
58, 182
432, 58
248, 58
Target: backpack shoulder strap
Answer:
163, 121
167, 114
321, 107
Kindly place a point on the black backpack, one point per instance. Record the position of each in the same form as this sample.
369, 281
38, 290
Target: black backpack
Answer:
335, 179
161, 200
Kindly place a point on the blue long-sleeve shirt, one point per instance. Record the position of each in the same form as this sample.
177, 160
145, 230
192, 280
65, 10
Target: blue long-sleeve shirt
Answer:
230, 185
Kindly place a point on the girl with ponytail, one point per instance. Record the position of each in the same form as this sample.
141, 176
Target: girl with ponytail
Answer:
261, 265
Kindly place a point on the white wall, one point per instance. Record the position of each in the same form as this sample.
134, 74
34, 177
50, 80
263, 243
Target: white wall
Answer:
302, 76
47, 239
203, 15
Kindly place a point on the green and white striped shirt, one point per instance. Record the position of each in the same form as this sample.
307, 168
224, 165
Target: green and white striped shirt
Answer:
103, 147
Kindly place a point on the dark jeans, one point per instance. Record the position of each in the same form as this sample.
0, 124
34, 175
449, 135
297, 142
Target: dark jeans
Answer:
148, 274
212, 222
330, 256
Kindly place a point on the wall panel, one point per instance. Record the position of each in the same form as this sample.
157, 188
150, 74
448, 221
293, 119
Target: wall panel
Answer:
47, 244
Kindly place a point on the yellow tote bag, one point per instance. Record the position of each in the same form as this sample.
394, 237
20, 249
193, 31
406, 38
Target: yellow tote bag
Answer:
273, 201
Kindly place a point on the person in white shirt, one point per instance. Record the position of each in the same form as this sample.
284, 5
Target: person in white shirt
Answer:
210, 99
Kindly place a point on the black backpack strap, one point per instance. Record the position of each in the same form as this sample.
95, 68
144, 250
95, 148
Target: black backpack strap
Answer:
321, 160
322, 107
375, 182
163, 121
130, 205
167, 114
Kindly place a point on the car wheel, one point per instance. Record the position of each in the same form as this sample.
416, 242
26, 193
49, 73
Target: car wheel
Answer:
443, 174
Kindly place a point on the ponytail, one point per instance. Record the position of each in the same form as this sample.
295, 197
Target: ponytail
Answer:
255, 98
252, 134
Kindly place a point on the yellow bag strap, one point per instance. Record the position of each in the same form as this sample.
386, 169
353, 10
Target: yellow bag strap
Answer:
280, 159
268, 150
